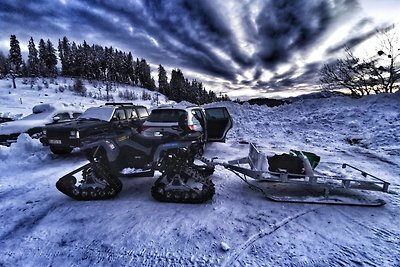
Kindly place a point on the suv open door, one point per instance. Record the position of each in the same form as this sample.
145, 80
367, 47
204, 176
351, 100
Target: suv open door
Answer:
218, 124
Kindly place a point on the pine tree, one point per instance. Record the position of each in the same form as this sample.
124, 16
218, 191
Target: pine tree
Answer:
97, 55
64, 53
42, 59
194, 92
91, 63
24, 69
110, 63
15, 56
144, 75
119, 66
86, 61
163, 86
130, 68
33, 60
74, 67
102, 62
3, 65
177, 85
137, 72
51, 59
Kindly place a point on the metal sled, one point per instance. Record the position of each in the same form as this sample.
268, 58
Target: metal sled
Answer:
310, 187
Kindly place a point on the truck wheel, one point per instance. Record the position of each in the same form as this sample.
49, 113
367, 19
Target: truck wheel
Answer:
60, 150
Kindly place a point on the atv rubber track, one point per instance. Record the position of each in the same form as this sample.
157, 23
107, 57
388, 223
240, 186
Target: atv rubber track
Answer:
86, 190
185, 194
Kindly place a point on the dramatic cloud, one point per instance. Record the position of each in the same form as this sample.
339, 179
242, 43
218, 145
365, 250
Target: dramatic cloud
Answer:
353, 41
235, 44
286, 27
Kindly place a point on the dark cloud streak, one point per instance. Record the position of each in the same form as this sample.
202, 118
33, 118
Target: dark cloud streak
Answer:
353, 41
287, 27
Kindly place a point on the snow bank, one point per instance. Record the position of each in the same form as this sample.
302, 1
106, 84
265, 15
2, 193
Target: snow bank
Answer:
372, 122
16, 103
25, 153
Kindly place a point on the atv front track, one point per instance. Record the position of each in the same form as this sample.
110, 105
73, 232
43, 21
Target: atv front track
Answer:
97, 183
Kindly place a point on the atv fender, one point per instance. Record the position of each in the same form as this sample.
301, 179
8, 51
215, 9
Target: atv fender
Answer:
109, 146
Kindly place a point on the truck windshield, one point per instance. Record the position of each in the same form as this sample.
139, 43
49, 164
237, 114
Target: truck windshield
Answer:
98, 113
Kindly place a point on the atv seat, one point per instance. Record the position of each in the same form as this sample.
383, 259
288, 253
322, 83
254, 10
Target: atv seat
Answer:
151, 141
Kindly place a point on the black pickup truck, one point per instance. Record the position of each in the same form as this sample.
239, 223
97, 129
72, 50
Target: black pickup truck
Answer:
95, 121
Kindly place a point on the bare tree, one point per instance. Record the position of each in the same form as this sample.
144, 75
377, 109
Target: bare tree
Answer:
386, 67
378, 74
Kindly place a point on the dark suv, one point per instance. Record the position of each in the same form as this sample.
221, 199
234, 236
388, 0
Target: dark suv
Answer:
95, 121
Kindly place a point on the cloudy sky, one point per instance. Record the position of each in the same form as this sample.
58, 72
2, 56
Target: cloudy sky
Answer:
245, 48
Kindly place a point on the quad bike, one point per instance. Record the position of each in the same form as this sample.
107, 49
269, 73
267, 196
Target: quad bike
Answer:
128, 153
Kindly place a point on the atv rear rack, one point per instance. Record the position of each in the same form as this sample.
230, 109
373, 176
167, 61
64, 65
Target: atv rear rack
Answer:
339, 185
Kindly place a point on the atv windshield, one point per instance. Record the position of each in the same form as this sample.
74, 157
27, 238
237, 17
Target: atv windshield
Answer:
98, 113
166, 115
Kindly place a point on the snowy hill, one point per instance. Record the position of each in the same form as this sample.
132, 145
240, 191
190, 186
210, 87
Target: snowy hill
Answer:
239, 227
18, 102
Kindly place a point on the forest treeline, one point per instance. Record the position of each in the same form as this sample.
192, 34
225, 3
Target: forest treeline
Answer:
95, 62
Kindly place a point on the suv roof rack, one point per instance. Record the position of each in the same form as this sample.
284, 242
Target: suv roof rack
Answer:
118, 104
178, 106
165, 106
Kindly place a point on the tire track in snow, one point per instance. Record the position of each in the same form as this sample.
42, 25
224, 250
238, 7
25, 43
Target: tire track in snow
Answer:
265, 232
96, 253
345, 256
348, 256
17, 192
385, 234
29, 222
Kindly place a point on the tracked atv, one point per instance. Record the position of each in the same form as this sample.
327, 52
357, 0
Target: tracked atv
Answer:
184, 178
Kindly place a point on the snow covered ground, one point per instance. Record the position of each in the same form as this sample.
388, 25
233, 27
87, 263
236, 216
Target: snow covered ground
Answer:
239, 227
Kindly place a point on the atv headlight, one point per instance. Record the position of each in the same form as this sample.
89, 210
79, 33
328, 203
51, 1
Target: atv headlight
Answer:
74, 134
44, 132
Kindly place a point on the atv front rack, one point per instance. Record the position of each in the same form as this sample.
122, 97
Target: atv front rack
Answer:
294, 187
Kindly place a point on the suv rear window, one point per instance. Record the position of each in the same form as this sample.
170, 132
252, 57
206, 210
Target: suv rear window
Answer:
166, 115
